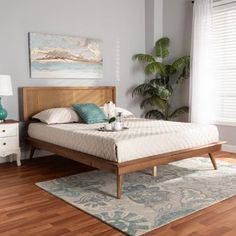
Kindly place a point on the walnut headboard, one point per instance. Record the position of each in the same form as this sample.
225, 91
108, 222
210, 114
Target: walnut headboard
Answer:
36, 99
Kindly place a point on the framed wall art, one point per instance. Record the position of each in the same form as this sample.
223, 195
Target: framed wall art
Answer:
58, 56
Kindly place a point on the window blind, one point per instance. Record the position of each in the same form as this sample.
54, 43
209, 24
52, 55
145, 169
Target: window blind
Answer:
224, 44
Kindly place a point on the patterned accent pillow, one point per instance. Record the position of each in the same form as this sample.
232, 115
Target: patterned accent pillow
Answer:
57, 116
90, 113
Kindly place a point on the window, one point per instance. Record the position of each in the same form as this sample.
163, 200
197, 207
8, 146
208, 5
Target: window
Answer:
224, 32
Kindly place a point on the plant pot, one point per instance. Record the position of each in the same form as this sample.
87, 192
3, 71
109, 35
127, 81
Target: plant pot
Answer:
117, 126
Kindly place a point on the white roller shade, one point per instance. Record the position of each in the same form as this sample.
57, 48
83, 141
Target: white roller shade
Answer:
224, 31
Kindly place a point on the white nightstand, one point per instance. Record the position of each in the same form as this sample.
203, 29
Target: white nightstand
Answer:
9, 140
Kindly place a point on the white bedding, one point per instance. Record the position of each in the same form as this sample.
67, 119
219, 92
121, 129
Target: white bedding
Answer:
143, 138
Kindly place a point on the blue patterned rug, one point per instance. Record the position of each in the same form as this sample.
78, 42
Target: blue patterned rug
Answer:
179, 189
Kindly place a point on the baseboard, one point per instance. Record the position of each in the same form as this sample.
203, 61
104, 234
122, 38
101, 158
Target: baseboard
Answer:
229, 148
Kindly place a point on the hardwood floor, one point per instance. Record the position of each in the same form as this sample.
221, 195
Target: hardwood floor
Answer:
27, 210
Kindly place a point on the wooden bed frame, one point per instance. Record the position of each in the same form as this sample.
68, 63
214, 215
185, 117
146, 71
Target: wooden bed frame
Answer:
36, 99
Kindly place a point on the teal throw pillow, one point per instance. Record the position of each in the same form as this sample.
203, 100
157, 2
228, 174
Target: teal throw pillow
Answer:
90, 113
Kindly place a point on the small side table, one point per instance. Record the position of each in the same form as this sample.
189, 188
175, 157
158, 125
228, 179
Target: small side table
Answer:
9, 140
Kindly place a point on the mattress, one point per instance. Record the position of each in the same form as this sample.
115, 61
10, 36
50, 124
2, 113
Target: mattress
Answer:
143, 138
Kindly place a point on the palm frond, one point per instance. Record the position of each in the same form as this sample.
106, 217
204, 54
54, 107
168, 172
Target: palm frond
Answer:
155, 114
155, 68
140, 89
170, 70
151, 91
178, 112
161, 81
162, 47
144, 58
157, 81
183, 75
169, 87
160, 103
164, 93
147, 101
180, 63
155, 101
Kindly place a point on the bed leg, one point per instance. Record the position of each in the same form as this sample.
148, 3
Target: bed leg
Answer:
154, 171
119, 186
32, 150
213, 161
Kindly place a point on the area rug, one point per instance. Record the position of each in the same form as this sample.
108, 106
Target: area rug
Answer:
148, 202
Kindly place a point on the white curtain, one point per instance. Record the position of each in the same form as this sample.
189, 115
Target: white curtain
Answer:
202, 86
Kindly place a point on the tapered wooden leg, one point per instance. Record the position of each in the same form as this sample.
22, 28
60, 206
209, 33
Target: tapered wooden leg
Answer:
119, 186
32, 150
154, 171
213, 160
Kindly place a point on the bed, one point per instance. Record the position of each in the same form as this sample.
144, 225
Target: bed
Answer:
146, 144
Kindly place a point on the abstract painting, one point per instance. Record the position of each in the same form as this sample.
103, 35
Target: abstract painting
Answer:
57, 56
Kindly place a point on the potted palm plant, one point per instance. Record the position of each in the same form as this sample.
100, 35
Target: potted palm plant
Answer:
157, 92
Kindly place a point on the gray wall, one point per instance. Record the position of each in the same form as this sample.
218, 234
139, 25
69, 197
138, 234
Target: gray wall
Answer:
108, 20
177, 25
154, 23
228, 133
149, 24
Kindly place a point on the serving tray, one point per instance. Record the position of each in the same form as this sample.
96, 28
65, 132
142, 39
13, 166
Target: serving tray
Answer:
104, 130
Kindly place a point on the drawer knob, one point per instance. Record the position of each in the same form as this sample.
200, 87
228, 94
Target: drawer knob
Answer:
3, 130
4, 144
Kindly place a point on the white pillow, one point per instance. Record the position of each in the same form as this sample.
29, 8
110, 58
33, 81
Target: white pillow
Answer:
57, 116
125, 113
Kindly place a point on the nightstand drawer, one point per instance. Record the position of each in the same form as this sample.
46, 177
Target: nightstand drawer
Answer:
8, 143
8, 130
